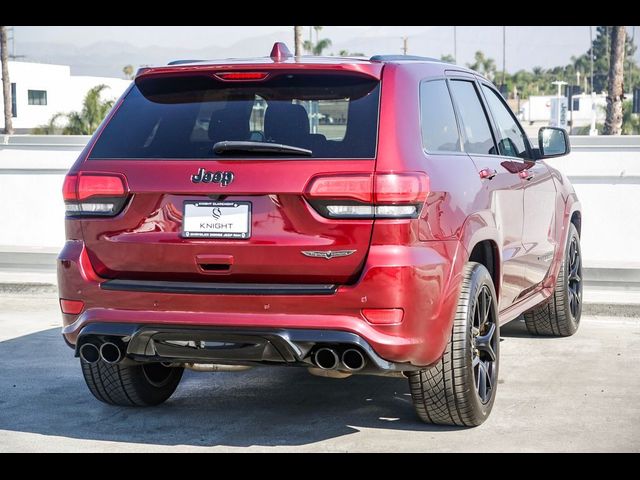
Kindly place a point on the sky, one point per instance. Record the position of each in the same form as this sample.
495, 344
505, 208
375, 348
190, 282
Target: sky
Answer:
144, 36
104, 50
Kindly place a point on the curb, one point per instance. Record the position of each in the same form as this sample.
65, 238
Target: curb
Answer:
612, 309
28, 288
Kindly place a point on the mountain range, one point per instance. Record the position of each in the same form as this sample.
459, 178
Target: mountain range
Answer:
526, 47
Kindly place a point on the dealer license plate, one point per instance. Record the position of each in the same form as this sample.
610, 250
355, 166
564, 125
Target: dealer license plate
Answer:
216, 220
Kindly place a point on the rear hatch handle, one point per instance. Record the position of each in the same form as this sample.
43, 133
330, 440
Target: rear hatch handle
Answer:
214, 263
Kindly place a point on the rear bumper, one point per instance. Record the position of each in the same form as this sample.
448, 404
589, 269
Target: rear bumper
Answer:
422, 280
249, 346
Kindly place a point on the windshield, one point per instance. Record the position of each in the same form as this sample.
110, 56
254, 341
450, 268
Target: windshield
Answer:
169, 117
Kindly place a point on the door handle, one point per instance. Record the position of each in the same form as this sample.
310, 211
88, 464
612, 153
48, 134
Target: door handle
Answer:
527, 175
487, 173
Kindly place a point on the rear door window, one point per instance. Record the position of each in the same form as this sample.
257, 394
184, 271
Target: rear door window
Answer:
163, 117
438, 120
475, 124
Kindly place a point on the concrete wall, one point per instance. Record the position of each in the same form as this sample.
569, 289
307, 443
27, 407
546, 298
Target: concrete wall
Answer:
604, 170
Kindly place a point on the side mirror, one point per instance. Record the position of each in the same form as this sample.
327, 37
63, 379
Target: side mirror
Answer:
553, 142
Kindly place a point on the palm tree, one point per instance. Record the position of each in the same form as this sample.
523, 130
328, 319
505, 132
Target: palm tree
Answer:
297, 35
613, 121
128, 71
84, 122
630, 120
483, 65
318, 47
51, 127
94, 109
321, 46
6, 83
347, 53
317, 30
308, 46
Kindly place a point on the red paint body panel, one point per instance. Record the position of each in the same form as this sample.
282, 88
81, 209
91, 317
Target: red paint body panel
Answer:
409, 264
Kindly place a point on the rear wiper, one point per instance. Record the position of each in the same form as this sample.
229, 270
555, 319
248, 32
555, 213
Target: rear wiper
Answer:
259, 148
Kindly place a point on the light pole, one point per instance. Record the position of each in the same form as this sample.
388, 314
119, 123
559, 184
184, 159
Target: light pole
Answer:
591, 54
592, 128
630, 76
504, 53
455, 45
405, 45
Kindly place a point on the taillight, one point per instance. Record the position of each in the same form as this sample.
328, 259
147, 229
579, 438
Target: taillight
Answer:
382, 195
94, 194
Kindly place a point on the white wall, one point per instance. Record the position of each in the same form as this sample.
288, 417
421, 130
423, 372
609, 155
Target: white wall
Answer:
64, 91
604, 170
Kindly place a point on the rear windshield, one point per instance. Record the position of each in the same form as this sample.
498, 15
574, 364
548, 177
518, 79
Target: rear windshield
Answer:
333, 115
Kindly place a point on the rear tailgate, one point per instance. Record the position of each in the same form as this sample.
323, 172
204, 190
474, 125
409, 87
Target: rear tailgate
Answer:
146, 241
161, 140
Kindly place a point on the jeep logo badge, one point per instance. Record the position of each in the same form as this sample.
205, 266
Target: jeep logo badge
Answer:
223, 178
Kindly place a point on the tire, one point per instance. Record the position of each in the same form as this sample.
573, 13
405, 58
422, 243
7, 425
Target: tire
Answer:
560, 315
131, 385
461, 388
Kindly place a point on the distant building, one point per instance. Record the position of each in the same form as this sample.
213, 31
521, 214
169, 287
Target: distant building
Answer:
535, 112
40, 90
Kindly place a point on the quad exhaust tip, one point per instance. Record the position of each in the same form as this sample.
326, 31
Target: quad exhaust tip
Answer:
326, 358
89, 353
110, 353
353, 360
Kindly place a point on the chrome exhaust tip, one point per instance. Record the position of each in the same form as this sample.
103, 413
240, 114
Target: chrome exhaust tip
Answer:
326, 358
89, 353
353, 360
110, 353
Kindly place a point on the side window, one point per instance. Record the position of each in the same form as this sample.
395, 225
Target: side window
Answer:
512, 141
438, 120
477, 133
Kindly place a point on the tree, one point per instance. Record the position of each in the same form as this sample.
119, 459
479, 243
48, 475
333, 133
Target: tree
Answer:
84, 122
319, 46
128, 71
448, 58
297, 35
51, 127
94, 109
601, 62
347, 53
613, 121
6, 83
630, 120
484, 65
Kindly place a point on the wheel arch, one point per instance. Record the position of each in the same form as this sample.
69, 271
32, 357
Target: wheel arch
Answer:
486, 252
481, 240
576, 220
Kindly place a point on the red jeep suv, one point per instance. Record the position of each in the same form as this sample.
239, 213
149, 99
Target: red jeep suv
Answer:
349, 216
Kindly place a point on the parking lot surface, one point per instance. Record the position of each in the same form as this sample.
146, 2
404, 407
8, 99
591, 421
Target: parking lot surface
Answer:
555, 394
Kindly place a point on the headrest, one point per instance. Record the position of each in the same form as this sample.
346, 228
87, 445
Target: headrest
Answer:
286, 123
231, 123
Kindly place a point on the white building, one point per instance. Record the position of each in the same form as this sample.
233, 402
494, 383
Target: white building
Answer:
40, 90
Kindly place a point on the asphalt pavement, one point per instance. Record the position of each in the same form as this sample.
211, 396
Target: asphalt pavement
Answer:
555, 394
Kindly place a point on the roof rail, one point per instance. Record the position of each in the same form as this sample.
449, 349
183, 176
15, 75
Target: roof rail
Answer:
182, 62
400, 58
